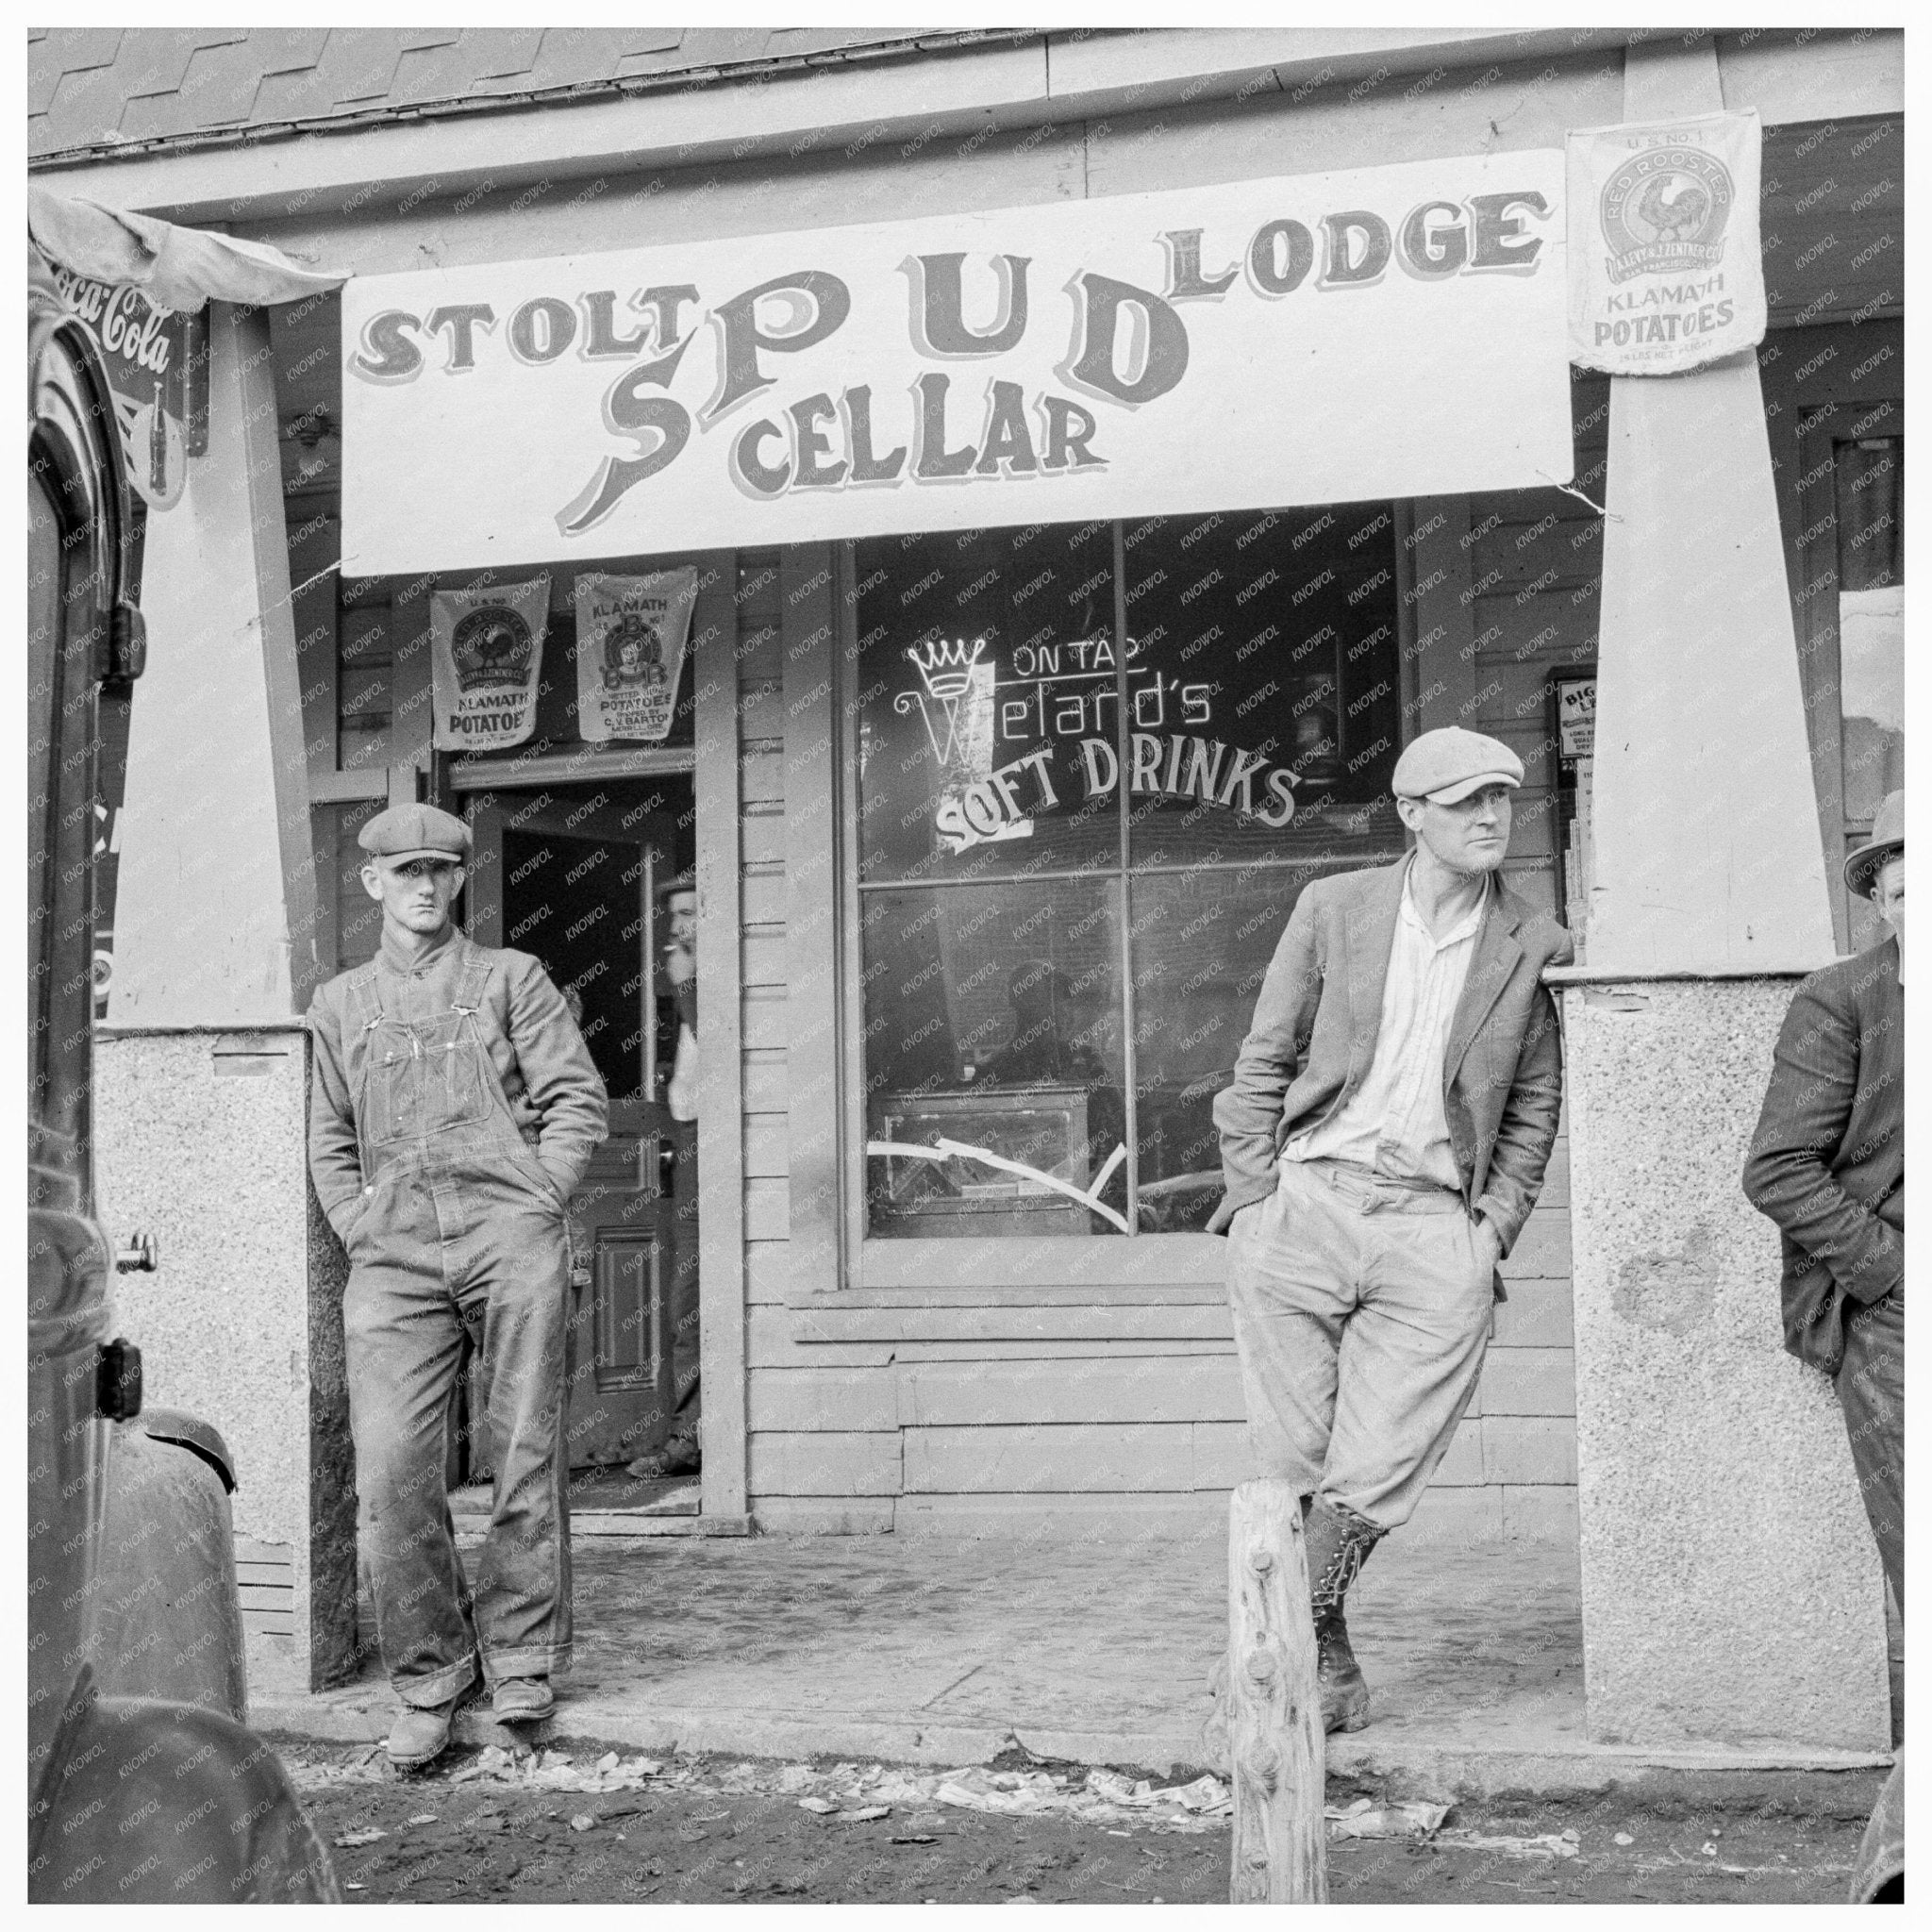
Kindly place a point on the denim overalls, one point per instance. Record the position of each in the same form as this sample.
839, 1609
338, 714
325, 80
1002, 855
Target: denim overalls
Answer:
462, 1229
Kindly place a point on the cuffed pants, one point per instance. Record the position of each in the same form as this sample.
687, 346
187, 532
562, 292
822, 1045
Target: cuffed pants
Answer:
1361, 1313
1871, 1392
472, 1240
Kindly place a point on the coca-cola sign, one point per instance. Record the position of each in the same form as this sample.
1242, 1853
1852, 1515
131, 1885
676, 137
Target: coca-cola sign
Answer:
157, 366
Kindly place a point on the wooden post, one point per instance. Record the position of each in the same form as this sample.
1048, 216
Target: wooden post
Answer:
1278, 1748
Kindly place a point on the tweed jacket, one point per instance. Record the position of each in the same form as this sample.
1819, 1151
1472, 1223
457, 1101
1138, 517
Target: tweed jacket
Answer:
1827, 1162
1313, 1039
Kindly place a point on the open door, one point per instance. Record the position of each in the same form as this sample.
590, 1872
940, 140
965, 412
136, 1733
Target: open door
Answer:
574, 880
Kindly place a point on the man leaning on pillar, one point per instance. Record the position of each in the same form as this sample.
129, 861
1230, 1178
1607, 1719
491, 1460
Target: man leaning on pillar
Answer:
1828, 1164
1385, 1137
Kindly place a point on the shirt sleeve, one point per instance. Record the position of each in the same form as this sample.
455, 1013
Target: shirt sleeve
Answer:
335, 1156
682, 1094
560, 1077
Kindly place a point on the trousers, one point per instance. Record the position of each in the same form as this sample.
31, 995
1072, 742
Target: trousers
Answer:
461, 1231
1870, 1384
1362, 1314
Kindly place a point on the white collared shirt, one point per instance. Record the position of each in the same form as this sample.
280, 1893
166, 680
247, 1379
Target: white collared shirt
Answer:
1395, 1124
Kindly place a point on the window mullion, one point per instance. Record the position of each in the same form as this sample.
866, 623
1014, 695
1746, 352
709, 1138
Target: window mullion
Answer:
1123, 748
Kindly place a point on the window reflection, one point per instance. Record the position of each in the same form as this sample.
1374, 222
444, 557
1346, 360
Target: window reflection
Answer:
1870, 478
1043, 763
994, 1064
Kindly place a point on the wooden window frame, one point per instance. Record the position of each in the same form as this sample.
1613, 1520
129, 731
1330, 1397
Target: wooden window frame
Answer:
834, 1264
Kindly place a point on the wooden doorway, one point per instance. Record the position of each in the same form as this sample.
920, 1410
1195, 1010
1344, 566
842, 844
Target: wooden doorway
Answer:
572, 875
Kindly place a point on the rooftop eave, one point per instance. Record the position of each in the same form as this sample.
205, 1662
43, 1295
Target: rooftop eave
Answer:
1004, 79
353, 121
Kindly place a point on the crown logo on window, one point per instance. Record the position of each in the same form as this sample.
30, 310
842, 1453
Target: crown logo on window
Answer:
946, 665
492, 646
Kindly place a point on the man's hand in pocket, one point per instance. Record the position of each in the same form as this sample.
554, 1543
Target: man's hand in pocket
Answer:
1489, 1245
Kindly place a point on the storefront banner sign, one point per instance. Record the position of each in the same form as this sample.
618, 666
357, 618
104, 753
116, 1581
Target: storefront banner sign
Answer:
631, 634
487, 660
1666, 269
157, 362
1384, 332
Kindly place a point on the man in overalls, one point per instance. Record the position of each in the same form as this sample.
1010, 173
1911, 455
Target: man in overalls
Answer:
452, 1111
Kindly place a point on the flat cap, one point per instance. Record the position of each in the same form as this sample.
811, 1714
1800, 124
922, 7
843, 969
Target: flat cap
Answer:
415, 831
1449, 763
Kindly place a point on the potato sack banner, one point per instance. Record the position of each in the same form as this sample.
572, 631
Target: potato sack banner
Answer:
486, 659
1666, 271
631, 633
1386, 332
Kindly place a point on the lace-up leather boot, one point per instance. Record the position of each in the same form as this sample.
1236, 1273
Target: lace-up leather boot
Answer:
1338, 1543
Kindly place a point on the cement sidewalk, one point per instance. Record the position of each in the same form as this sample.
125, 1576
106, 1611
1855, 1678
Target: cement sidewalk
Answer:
941, 1651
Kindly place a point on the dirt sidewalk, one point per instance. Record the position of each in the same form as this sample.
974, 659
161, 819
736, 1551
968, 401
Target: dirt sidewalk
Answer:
703, 1829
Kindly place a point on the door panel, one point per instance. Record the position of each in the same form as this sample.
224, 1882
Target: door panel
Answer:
573, 884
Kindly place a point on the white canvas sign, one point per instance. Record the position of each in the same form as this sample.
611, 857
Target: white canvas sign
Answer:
631, 634
486, 659
1385, 332
1666, 269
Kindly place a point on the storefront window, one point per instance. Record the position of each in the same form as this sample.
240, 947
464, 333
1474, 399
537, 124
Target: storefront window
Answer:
1870, 478
1097, 762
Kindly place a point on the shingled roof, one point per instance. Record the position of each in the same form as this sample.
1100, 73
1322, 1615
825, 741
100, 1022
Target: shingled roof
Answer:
95, 91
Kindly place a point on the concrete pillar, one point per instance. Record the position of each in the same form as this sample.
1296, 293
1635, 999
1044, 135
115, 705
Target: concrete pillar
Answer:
1707, 853
202, 1142
202, 1066
217, 888
1730, 1589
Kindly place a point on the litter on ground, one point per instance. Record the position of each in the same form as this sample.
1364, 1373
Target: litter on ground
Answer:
851, 1793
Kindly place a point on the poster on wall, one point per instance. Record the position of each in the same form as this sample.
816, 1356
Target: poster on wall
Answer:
631, 633
1666, 269
1575, 717
1360, 335
487, 660
158, 368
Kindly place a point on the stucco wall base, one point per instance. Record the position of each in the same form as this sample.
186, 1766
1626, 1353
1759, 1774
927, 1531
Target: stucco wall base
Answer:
200, 1143
1731, 1591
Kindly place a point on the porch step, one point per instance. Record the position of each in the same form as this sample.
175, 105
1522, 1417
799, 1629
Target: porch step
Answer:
602, 1505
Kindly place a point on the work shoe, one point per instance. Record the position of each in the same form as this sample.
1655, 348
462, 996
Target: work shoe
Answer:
420, 1736
1338, 1542
523, 1700
1344, 1691
678, 1457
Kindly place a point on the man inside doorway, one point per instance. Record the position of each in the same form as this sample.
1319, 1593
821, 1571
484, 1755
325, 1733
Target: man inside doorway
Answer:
1382, 1143
453, 1110
1828, 1166
682, 1454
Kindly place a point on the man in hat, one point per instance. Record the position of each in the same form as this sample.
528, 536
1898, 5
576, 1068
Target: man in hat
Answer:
453, 1110
1382, 1144
1828, 1164
681, 1453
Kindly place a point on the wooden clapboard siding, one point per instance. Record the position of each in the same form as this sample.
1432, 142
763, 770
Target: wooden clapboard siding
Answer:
825, 1462
1095, 1456
1099, 1388
826, 1398
265, 1577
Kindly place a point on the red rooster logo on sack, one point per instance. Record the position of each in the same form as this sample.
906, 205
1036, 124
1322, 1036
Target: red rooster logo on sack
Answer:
1674, 207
